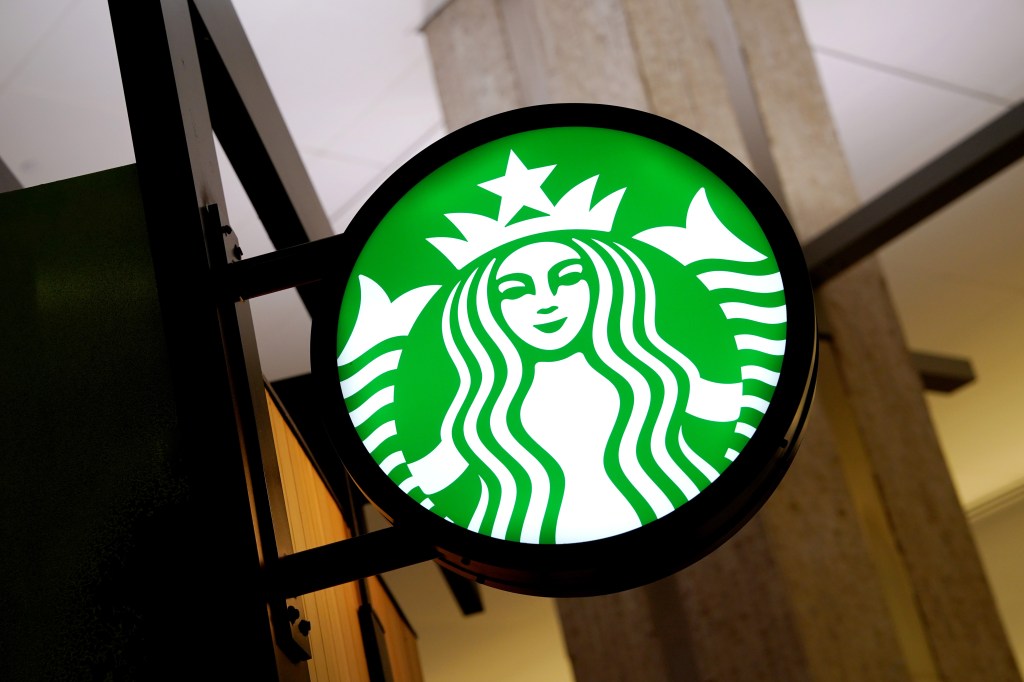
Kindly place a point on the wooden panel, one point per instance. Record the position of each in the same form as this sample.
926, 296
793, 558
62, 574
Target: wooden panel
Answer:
315, 520
401, 640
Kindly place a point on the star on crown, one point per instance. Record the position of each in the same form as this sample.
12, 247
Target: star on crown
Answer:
519, 187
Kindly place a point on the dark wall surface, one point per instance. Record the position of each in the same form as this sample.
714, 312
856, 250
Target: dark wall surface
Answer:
98, 579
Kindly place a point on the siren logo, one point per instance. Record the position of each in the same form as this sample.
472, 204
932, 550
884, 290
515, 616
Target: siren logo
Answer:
561, 335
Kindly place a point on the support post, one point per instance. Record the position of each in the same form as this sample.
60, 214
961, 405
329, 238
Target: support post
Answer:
234, 516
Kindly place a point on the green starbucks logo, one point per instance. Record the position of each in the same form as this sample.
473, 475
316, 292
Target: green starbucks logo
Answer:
562, 335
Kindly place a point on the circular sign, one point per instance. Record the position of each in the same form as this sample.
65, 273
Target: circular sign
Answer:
573, 347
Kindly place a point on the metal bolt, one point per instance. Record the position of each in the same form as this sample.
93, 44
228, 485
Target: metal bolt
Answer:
226, 229
237, 251
304, 627
293, 613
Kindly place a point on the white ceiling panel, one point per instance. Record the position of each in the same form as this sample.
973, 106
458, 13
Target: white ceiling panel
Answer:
408, 109
22, 26
44, 140
343, 214
889, 125
973, 45
326, 63
61, 104
77, 61
338, 179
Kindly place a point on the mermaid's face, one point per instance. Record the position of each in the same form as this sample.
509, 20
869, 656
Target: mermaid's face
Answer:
544, 298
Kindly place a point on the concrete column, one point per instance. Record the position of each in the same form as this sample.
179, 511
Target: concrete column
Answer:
861, 566
884, 393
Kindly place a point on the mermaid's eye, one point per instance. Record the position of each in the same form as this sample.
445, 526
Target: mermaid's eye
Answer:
571, 269
566, 274
514, 287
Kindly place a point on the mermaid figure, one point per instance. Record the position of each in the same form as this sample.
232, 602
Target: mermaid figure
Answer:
569, 418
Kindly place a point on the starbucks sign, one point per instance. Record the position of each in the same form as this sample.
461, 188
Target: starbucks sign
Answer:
574, 344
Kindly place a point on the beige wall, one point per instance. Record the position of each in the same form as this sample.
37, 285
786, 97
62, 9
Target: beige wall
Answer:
1000, 537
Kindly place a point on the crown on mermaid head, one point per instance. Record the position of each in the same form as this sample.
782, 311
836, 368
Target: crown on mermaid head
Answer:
519, 187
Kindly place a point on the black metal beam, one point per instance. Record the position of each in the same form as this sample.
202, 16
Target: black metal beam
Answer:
297, 400
253, 133
465, 591
344, 561
256, 138
295, 266
942, 373
222, 410
952, 174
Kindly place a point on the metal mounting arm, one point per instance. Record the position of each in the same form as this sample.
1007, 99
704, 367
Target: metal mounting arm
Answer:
340, 562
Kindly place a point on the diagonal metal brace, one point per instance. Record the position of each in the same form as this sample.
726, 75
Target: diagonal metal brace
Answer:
937, 184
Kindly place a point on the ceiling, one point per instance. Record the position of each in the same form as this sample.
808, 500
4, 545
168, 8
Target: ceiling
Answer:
904, 80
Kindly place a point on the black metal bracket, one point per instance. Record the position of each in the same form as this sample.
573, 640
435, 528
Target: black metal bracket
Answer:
951, 175
344, 561
288, 268
942, 373
291, 630
465, 591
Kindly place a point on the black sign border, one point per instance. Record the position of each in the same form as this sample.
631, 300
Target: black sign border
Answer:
661, 547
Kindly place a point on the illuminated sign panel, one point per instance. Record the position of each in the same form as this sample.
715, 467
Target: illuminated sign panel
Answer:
569, 332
